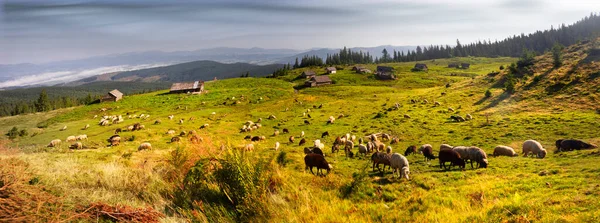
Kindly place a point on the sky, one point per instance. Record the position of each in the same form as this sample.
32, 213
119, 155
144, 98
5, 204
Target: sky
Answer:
39, 31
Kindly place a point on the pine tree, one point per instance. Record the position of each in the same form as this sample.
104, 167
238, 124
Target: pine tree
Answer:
557, 54
296, 65
43, 104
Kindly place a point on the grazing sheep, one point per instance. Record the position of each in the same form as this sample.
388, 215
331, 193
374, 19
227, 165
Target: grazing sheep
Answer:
319, 145
410, 150
196, 139
379, 146
468, 117
385, 137
315, 160
306, 122
86, 127
370, 146
395, 140
308, 115
427, 151
248, 137
307, 150
286, 131
341, 116
182, 133
302, 134
249, 147
54, 143
406, 116
259, 120
445, 146
330, 120
478, 155
171, 132
360, 140
76, 145
388, 150
192, 132
276, 133
81, 137
349, 145
157, 122
317, 150
63, 128
425, 101
353, 138
175, 139
325, 134
533, 147
335, 148
118, 130
373, 137
180, 121
104, 122
437, 103
291, 139
302, 142
457, 118
262, 138
572, 144
362, 149
130, 128
451, 156
504, 151
145, 146
71, 139
271, 117
399, 164
114, 140
276, 146
137, 127
255, 139
450, 109
380, 158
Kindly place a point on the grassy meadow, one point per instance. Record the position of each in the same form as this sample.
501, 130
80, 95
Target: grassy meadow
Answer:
563, 187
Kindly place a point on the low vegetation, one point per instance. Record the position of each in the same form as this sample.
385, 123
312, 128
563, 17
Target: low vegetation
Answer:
219, 180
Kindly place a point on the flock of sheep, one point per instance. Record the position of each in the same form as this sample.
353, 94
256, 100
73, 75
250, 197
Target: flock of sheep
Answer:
381, 155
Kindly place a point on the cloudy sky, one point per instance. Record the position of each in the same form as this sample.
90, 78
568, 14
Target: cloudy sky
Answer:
37, 31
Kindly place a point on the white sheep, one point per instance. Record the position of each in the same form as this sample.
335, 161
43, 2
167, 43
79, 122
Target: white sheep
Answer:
145, 146
533, 147
468, 117
71, 139
171, 117
276, 133
302, 134
450, 109
504, 151
362, 149
82, 137
54, 143
277, 146
171, 132
399, 163
353, 138
446, 146
249, 147
63, 128
437, 103
86, 126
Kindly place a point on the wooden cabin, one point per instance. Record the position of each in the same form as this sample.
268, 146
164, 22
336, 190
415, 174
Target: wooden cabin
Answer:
308, 74
114, 95
318, 81
385, 73
465, 65
187, 87
330, 70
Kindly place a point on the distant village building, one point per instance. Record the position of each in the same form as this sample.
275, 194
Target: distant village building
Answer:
465, 65
316, 81
308, 74
385, 73
330, 70
420, 67
188, 87
114, 95
453, 65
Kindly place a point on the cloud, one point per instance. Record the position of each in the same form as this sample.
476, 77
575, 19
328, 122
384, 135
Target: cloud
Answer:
69, 76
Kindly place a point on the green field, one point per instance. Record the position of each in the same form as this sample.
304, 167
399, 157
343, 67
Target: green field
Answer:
563, 187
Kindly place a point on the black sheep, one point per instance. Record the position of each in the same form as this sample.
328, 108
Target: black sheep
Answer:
118, 130
255, 139
175, 139
302, 142
427, 153
315, 160
316, 150
410, 150
450, 156
286, 131
248, 137
306, 122
572, 144
324, 134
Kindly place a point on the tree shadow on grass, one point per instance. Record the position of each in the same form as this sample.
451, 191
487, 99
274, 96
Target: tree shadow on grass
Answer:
494, 102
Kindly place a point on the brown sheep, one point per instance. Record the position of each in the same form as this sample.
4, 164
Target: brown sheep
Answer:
451, 156
572, 144
410, 150
427, 152
76, 145
54, 143
380, 158
315, 160
302, 142
145, 146
175, 139
114, 140
504, 151
291, 139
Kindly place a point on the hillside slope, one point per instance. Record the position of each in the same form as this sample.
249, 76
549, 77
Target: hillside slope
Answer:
178, 179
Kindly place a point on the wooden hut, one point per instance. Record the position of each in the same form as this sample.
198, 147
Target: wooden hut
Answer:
114, 95
330, 70
465, 65
308, 74
385, 73
318, 81
187, 87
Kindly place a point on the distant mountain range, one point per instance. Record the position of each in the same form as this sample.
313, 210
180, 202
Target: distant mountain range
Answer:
24, 75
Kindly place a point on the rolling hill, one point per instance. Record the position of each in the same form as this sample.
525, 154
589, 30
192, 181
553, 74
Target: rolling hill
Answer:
218, 180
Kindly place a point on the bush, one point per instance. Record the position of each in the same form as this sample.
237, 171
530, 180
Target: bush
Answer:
526, 59
501, 67
488, 93
282, 158
231, 189
509, 85
23, 132
13, 133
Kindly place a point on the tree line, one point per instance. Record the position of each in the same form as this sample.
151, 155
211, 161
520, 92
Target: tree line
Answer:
537, 42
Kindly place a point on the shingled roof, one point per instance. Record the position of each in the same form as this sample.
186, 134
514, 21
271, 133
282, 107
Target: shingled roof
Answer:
186, 86
321, 79
116, 93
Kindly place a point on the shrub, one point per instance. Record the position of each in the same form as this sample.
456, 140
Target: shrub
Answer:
501, 67
509, 85
282, 158
23, 132
13, 133
488, 93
